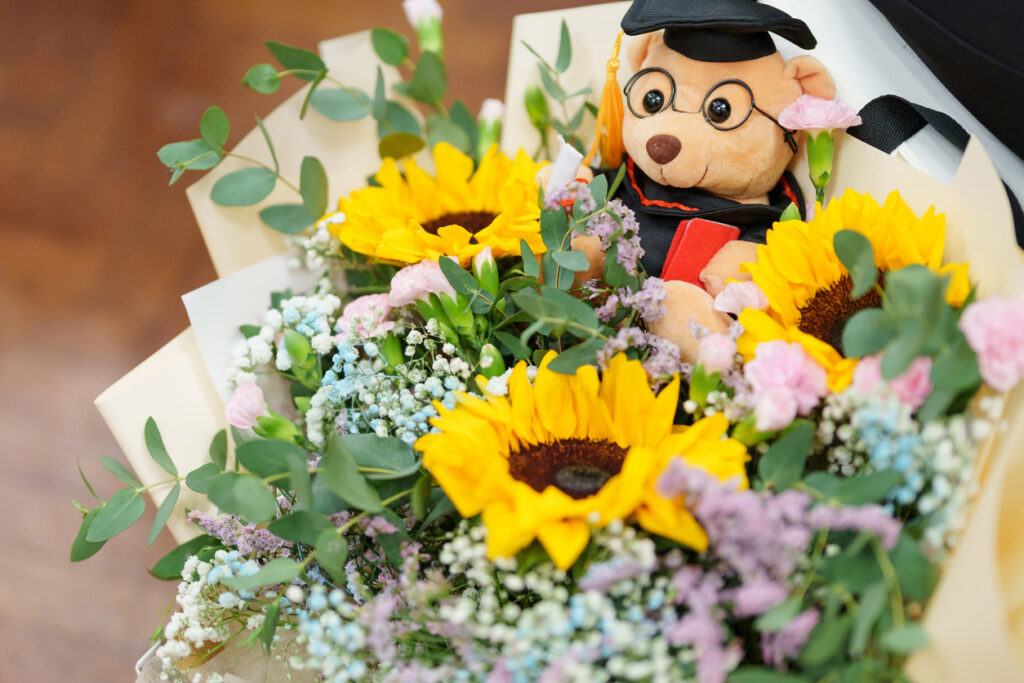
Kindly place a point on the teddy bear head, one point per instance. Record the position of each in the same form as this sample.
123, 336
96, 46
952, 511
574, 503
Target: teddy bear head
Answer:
714, 125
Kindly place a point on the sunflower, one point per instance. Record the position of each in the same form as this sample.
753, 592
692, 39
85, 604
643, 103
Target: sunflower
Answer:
415, 216
570, 451
808, 288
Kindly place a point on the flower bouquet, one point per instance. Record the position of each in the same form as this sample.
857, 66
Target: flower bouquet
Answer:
437, 452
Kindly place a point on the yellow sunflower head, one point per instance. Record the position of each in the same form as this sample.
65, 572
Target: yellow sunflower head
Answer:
808, 288
414, 216
570, 451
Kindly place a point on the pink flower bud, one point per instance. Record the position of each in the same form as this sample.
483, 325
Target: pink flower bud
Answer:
717, 352
245, 405
737, 296
418, 282
912, 387
810, 113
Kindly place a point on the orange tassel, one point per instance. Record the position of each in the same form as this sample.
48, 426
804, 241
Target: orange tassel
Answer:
608, 133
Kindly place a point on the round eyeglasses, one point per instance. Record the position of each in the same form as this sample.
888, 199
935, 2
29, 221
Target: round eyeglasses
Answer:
726, 106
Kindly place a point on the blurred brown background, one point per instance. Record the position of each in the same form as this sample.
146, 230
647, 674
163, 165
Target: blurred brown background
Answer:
97, 249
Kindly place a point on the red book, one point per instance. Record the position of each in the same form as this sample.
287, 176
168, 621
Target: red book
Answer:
695, 243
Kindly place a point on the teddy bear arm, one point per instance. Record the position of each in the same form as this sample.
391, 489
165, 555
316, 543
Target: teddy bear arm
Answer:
725, 265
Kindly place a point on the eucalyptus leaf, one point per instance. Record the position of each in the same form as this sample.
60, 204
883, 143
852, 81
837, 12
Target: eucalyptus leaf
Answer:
512, 344
774, 619
219, 450
905, 639
301, 526
196, 154
443, 129
916, 573
826, 641
430, 80
391, 47
244, 495
390, 454
271, 615
399, 146
758, 674
867, 488
868, 610
531, 267
464, 119
313, 185
421, 496
290, 219
340, 472
867, 332
214, 128
575, 261
199, 479
783, 464
122, 510
340, 105
856, 254
82, 548
297, 58
163, 513
243, 187
262, 78
570, 360
332, 553
902, 350
551, 86
398, 119
379, 106
269, 457
155, 446
564, 50
278, 570
120, 471
169, 567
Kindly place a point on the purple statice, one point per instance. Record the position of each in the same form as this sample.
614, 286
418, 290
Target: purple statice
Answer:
872, 518
701, 626
664, 359
602, 576
570, 194
756, 597
777, 647
377, 619
626, 338
618, 225
606, 311
648, 301
245, 537
372, 526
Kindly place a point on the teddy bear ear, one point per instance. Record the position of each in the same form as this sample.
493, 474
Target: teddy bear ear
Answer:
639, 47
813, 77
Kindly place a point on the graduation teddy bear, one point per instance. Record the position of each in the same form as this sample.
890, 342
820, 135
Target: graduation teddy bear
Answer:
705, 154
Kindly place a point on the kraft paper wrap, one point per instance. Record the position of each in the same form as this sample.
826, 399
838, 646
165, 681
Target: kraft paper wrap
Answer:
975, 619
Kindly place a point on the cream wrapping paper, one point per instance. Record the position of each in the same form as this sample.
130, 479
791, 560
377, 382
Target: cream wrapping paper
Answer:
976, 617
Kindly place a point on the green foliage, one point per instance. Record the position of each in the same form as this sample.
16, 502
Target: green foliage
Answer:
279, 570
290, 219
340, 104
564, 50
243, 494
302, 63
82, 548
214, 128
855, 252
263, 78
163, 513
120, 471
169, 567
332, 553
219, 450
244, 187
301, 526
313, 186
340, 472
443, 129
774, 619
272, 614
756, 674
783, 464
391, 47
155, 446
199, 479
430, 79
550, 77
399, 146
122, 510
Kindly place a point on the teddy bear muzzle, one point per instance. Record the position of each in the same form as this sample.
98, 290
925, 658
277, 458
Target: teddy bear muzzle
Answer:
663, 148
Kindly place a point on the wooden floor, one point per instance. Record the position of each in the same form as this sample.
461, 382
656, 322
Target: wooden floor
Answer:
95, 252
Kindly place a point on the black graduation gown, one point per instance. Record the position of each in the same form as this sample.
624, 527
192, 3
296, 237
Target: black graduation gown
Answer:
660, 209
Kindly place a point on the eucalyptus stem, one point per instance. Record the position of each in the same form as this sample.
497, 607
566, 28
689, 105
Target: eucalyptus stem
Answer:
277, 173
145, 488
889, 572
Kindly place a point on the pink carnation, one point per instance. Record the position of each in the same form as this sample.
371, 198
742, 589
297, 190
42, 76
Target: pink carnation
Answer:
737, 296
366, 317
785, 382
419, 281
717, 352
245, 405
912, 387
995, 330
809, 112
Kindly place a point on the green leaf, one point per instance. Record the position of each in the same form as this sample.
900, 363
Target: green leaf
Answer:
390, 454
332, 553
313, 185
85, 481
199, 479
219, 450
598, 188
262, 78
399, 146
575, 261
279, 570
867, 332
570, 360
531, 266
163, 513
551, 86
564, 50
430, 80
937, 403
301, 526
379, 106
244, 187
122, 510
215, 128
340, 105
905, 639
855, 252
916, 573
243, 494
290, 219
443, 129
442, 507
421, 496
155, 446
826, 640
299, 483
267, 457
791, 213
512, 344
956, 368
554, 229
900, 352
398, 119
757, 674
317, 80
464, 119
458, 277
120, 471
198, 155
270, 143
341, 474
292, 57
298, 347
271, 615
868, 610
82, 548
867, 488
391, 47
783, 464
774, 619
169, 567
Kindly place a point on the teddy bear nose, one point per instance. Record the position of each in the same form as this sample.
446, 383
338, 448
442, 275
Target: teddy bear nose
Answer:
663, 148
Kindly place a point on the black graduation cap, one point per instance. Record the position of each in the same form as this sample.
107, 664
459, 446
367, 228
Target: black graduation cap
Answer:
717, 30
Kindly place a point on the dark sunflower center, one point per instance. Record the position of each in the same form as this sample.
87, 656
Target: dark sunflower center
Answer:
826, 313
472, 221
578, 467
